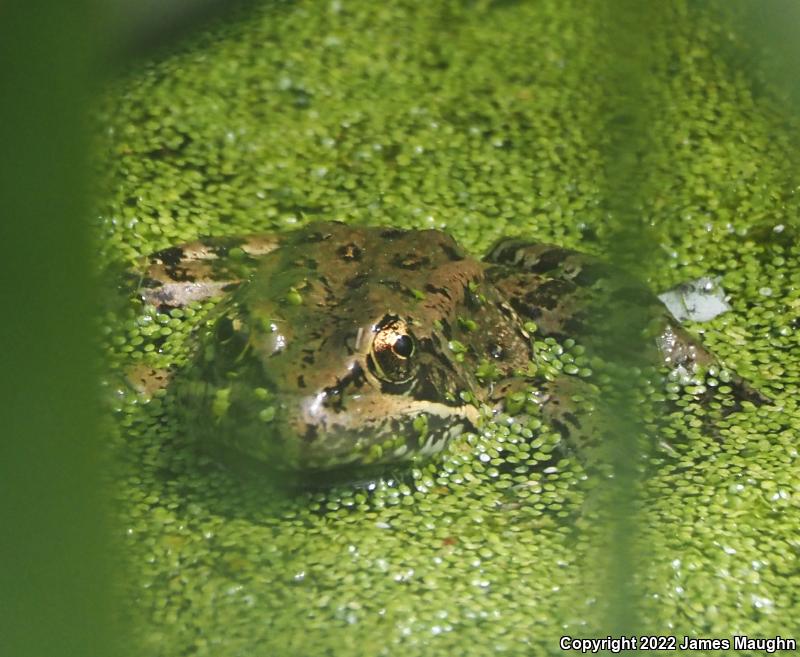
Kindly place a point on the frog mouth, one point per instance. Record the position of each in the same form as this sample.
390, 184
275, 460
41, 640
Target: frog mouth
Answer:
334, 428
372, 432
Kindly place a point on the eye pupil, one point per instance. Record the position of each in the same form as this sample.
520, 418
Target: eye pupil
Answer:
403, 346
392, 348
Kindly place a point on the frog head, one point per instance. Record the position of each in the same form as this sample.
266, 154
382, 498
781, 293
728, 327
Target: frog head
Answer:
331, 356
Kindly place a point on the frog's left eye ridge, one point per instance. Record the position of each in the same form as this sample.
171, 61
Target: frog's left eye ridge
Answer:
393, 347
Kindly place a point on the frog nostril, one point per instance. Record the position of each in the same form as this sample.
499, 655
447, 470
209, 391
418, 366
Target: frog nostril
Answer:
349, 252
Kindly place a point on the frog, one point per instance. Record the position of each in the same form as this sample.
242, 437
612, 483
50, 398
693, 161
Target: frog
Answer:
336, 346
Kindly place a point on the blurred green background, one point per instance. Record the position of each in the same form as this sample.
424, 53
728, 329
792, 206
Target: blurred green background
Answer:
53, 588
662, 135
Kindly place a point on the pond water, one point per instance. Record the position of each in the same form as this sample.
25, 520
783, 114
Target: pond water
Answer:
637, 136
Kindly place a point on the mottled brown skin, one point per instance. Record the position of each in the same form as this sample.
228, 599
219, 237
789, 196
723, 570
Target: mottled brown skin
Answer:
341, 345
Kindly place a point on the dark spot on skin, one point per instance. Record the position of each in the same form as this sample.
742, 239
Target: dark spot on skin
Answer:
349, 252
576, 324
549, 260
743, 391
330, 296
411, 261
550, 293
159, 299
452, 252
386, 320
309, 358
180, 274
301, 381
500, 272
355, 378
532, 312
170, 257
224, 329
589, 274
505, 251
333, 399
559, 426
311, 433
357, 281
573, 420
150, 283
392, 233
428, 386
434, 289
472, 298
506, 310
466, 294
221, 250
395, 286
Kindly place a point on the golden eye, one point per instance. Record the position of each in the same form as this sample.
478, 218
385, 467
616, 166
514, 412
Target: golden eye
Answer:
392, 349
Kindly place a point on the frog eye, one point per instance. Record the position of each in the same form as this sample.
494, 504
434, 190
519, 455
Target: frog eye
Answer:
393, 347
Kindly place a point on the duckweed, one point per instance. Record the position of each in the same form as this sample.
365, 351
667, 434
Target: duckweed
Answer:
480, 118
